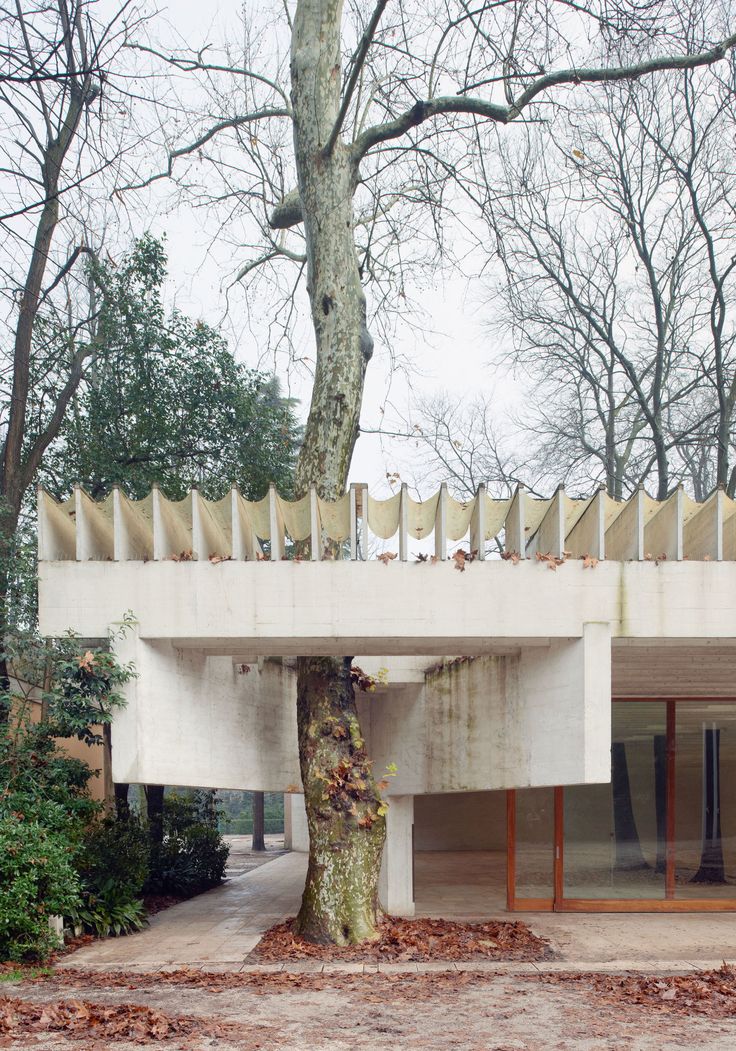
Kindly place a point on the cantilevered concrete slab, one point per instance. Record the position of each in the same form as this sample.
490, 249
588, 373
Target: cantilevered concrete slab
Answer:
291, 608
551, 606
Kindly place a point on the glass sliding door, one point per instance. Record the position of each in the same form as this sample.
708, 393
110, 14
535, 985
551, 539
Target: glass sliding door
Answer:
531, 848
705, 800
615, 834
660, 836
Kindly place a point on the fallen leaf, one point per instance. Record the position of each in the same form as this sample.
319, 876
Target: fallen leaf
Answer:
87, 661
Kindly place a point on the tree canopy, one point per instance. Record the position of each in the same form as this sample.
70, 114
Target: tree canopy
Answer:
165, 402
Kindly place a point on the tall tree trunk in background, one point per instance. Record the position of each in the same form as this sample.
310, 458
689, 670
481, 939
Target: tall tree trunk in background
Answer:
346, 826
659, 744
712, 868
108, 788
629, 854
258, 842
18, 463
155, 812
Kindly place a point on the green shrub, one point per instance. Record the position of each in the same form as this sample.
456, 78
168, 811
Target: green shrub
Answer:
115, 850
36, 777
192, 856
45, 806
112, 862
37, 881
109, 909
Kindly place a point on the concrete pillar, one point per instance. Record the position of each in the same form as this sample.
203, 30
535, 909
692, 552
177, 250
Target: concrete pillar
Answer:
396, 882
296, 833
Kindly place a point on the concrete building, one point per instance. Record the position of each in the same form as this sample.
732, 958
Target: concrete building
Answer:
560, 702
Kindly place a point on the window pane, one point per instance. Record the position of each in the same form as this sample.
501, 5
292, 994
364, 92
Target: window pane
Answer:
615, 833
535, 825
705, 802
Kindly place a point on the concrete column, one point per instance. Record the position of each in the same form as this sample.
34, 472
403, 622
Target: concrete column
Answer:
296, 833
396, 882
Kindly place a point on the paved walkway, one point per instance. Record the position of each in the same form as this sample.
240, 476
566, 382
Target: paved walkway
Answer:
219, 927
217, 930
242, 858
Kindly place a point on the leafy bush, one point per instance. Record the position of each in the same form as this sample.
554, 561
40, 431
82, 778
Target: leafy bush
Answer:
115, 850
37, 777
192, 856
45, 806
112, 862
37, 881
109, 909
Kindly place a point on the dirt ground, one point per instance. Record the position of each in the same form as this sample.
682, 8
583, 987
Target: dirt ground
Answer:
443, 1012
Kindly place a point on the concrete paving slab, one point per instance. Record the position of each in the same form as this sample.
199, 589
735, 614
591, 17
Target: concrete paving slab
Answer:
223, 926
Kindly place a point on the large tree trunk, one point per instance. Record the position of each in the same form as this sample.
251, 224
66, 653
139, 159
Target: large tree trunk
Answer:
346, 826
8, 526
346, 830
629, 854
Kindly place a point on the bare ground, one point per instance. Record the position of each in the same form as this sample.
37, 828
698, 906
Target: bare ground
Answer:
461, 1011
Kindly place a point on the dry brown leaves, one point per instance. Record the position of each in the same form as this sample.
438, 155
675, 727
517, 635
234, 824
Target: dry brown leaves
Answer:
84, 1020
511, 556
183, 556
416, 940
710, 993
550, 560
87, 661
371, 985
462, 558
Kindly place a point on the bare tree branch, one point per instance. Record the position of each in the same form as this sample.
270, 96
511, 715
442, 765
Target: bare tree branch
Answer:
357, 66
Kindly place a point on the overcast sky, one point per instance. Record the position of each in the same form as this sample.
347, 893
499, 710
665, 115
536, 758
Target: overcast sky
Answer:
450, 353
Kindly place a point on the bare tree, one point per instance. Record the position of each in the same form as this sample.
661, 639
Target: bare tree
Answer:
618, 256
61, 98
382, 105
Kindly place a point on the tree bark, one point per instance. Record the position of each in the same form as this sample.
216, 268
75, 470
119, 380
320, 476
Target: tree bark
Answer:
344, 813
659, 744
109, 790
343, 804
258, 842
155, 812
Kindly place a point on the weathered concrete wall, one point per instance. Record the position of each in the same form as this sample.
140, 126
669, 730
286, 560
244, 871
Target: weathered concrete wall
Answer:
296, 832
541, 717
535, 718
195, 720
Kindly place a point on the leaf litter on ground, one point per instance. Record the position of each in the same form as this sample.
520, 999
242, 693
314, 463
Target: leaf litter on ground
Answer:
417, 940
88, 1021
709, 993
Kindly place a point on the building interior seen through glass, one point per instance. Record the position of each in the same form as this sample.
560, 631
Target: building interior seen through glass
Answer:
617, 836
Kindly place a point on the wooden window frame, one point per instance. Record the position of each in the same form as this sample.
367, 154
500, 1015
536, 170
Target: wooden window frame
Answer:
558, 902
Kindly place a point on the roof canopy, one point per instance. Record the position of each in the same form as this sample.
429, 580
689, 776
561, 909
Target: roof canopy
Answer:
523, 526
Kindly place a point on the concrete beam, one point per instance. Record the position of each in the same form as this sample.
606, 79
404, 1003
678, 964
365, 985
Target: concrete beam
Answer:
344, 607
